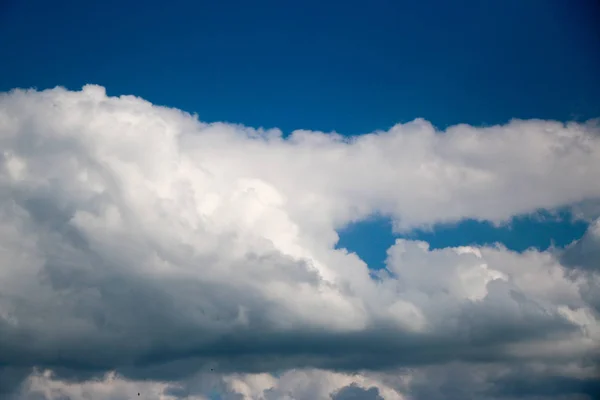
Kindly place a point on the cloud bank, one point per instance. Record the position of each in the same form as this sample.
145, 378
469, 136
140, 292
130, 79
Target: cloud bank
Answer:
142, 247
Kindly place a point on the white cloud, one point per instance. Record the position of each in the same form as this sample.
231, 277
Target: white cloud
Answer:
308, 384
138, 239
110, 387
449, 381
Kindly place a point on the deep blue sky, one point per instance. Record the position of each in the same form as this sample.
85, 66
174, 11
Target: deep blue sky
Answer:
349, 66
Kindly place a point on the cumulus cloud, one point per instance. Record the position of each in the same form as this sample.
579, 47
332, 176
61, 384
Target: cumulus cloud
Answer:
453, 381
294, 384
138, 241
43, 385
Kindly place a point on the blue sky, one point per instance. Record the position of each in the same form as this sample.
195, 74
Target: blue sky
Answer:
350, 66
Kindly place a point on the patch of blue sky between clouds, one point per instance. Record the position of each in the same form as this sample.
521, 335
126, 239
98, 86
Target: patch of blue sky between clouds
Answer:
371, 238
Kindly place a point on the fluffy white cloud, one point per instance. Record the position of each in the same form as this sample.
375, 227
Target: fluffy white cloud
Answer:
136, 239
110, 387
293, 385
449, 381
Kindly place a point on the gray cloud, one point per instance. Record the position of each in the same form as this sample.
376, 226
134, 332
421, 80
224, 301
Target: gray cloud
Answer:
354, 392
585, 253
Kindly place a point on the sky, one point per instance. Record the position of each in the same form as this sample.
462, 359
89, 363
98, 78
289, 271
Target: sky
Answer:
330, 200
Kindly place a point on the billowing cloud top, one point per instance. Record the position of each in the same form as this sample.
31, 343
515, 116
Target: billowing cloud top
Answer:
137, 239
